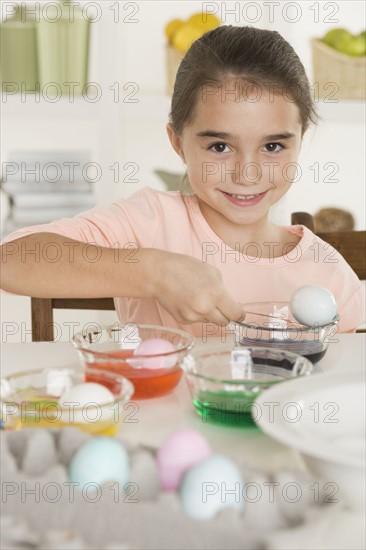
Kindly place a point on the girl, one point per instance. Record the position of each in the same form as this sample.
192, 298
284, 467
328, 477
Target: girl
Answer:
240, 107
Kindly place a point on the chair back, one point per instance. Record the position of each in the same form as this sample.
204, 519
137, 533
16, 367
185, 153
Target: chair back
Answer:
350, 244
42, 313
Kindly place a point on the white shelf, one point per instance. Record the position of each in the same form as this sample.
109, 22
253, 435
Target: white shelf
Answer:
31, 106
142, 107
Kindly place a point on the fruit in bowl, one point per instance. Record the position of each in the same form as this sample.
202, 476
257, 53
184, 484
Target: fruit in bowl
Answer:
147, 355
346, 42
181, 34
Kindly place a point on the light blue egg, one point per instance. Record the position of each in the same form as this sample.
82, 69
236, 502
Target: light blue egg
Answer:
210, 486
100, 460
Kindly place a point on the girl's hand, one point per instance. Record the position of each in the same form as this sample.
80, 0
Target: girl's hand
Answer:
192, 291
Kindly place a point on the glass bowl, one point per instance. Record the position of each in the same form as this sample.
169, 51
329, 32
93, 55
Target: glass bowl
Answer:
282, 331
31, 399
112, 348
225, 383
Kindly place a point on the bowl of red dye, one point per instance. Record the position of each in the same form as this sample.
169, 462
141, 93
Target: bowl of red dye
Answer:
147, 355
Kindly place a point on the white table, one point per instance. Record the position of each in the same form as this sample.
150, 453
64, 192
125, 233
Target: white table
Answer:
156, 418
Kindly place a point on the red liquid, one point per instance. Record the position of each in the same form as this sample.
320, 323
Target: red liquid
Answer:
147, 382
114, 386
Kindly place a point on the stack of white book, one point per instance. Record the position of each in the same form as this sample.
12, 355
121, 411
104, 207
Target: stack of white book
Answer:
43, 186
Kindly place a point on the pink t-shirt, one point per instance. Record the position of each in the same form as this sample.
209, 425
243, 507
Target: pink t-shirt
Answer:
174, 222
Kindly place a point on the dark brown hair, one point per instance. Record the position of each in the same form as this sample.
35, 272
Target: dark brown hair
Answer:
261, 57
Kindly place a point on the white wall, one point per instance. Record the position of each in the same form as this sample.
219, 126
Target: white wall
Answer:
137, 49
343, 122
128, 51
340, 137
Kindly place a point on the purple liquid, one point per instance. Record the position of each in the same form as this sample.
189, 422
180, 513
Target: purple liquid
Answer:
315, 357
314, 351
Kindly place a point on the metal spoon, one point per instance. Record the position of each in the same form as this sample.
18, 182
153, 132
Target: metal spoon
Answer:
269, 315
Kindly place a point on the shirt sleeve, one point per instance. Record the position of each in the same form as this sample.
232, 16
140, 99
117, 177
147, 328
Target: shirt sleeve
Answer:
127, 222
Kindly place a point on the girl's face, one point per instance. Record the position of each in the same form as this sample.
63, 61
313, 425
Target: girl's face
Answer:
240, 153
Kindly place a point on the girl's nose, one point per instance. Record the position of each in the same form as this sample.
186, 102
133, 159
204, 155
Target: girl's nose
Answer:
247, 173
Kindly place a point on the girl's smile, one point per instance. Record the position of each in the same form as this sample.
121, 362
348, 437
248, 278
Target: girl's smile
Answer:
241, 159
244, 200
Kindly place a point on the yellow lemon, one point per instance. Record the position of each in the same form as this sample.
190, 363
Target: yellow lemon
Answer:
185, 35
207, 21
172, 27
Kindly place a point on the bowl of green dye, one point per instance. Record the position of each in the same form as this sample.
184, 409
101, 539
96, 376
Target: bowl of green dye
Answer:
224, 383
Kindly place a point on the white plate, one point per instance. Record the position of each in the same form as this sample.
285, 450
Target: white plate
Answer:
323, 417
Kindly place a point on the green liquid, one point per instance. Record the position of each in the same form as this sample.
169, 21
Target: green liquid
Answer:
230, 409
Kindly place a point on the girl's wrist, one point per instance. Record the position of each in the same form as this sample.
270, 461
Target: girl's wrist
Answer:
151, 273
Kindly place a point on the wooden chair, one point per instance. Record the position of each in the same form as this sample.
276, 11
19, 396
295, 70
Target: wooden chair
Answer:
42, 313
351, 244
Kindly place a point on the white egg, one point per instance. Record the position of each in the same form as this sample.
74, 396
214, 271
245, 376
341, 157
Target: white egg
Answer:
98, 461
83, 403
210, 486
313, 305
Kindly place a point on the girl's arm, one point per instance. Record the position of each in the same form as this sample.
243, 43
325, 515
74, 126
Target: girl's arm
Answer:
48, 265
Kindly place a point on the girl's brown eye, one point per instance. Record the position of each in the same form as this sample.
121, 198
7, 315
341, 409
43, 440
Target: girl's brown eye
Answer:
274, 147
219, 147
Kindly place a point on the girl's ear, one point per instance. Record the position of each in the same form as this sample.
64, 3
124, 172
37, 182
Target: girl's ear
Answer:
175, 141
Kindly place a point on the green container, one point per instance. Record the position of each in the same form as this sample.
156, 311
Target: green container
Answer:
63, 49
18, 61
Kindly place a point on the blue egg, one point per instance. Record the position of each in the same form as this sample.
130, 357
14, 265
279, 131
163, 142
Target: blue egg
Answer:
100, 460
210, 486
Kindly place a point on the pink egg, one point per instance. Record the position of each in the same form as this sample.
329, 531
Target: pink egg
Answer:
158, 347
182, 450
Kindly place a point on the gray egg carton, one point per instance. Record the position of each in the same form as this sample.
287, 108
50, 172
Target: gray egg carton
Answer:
40, 511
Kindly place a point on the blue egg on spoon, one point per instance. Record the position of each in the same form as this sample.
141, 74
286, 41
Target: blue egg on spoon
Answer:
313, 304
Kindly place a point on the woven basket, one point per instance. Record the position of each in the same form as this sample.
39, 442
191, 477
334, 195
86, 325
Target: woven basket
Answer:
337, 75
173, 58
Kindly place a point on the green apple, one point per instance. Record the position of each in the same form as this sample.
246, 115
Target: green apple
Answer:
337, 38
346, 42
356, 46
